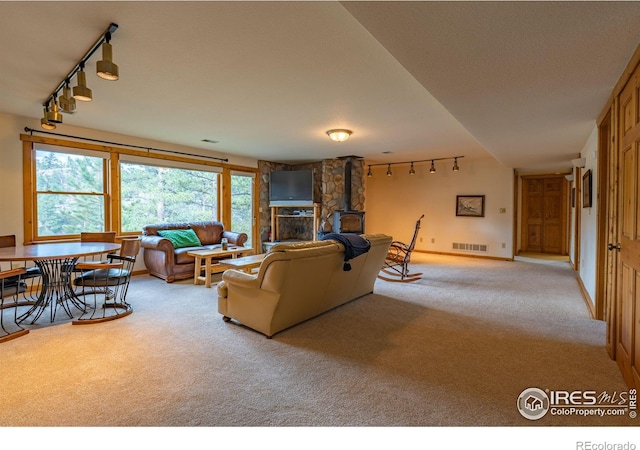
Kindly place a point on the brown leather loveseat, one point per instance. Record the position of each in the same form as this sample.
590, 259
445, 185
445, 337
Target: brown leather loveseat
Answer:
165, 261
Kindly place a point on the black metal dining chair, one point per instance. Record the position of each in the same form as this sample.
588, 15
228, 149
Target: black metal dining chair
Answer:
30, 277
11, 288
106, 283
94, 236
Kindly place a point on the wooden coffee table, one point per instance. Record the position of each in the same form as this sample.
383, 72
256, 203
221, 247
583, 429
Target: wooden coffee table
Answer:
205, 262
245, 263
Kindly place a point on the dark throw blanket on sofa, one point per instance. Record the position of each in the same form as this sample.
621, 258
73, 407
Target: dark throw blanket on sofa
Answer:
354, 245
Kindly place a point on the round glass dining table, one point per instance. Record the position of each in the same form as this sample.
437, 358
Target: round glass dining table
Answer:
56, 263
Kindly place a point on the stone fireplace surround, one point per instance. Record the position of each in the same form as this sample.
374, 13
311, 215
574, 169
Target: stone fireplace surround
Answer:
329, 191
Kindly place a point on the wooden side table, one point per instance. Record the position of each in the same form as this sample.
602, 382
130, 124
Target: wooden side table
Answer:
204, 262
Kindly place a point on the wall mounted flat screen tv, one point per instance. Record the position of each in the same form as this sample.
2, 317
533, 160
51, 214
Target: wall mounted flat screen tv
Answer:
291, 188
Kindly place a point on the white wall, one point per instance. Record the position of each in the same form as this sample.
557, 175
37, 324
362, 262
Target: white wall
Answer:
11, 216
393, 204
589, 219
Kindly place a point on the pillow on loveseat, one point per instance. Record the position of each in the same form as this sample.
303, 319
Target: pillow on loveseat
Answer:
181, 238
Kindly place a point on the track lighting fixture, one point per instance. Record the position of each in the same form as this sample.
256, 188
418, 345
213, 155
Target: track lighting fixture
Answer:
81, 91
44, 122
105, 69
412, 169
67, 102
53, 114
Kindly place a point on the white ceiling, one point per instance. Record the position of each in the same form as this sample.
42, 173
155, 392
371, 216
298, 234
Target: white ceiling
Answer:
522, 82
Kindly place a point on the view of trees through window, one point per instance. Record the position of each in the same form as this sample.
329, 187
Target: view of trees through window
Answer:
242, 204
69, 193
153, 194
72, 192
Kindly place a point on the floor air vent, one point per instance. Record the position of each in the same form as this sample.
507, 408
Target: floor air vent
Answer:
470, 247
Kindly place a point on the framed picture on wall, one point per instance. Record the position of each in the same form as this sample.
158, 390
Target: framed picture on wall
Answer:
586, 189
470, 205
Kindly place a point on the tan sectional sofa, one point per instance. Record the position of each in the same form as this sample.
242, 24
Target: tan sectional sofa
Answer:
296, 282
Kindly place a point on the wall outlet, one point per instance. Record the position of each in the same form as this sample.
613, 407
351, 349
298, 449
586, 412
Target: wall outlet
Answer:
504, 245
503, 210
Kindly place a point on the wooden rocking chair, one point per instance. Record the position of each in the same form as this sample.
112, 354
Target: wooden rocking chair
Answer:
396, 264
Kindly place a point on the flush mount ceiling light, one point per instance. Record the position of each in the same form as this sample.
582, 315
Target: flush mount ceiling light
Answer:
339, 135
105, 69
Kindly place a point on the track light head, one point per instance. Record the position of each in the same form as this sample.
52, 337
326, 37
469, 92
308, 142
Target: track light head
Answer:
389, 170
412, 171
433, 168
81, 91
105, 68
455, 165
44, 122
369, 173
67, 102
53, 113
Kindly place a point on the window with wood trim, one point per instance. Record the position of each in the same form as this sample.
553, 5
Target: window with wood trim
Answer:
70, 186
159, 194
70, 194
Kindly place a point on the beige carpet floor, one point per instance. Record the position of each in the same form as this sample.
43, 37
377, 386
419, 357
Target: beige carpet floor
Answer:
453, 349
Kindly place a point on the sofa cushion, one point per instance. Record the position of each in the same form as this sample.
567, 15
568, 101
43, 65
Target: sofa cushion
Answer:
209, 232
181, 238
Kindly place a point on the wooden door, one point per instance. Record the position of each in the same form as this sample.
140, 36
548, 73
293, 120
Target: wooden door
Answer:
628, 274
607, 260
544, 210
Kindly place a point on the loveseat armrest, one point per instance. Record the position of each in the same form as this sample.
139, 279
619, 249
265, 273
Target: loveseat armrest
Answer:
236, 277
235, 238
157, 243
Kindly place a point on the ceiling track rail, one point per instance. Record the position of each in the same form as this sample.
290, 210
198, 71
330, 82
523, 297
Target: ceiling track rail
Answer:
148, 149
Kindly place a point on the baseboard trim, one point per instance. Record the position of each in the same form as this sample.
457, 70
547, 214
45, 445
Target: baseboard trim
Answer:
587, 298
464, 255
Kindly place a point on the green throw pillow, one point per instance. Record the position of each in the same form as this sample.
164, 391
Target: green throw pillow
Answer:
181, 238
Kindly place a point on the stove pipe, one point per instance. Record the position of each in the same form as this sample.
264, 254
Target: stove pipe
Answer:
347, 184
